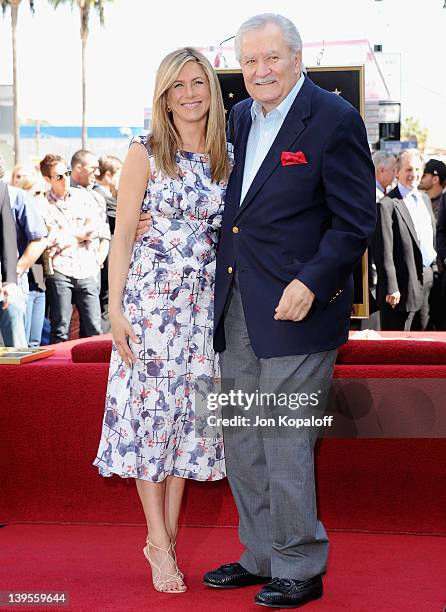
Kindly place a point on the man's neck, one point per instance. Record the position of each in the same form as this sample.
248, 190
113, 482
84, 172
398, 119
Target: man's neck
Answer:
74, 183
434, 192
104, 186
379, 186
55, 196
406, 190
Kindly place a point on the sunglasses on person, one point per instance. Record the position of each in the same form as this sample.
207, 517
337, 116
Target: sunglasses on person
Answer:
59, 177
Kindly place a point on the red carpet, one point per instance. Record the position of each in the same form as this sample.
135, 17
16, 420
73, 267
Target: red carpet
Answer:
102, 568
51, 418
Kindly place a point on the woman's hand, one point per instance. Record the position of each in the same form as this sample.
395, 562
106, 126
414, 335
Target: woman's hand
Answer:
121, 330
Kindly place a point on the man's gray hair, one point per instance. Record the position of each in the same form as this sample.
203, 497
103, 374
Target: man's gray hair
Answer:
290, 33
408, 153
382, 159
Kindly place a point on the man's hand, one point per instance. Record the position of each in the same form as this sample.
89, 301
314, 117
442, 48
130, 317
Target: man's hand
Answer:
20, 270
7, 291
393, 298
83, 236
145, 221
295, 302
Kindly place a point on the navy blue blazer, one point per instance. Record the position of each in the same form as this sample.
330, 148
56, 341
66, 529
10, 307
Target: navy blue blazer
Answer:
308, 221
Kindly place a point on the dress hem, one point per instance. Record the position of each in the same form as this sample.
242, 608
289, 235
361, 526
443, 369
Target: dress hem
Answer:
125, 475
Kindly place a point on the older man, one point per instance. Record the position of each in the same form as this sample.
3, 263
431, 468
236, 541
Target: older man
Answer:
299, 213
404, 250
384, 163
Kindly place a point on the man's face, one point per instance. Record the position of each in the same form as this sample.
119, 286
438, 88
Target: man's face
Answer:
410, 172
85, 174
270, 70
387, 174
60, 179
428, 181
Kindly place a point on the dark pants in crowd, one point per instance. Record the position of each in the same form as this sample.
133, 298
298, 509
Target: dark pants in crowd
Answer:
400, 320
103, 298
437, 301
63, 291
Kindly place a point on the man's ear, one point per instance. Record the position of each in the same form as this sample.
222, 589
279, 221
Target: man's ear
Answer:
298, 62
47, 180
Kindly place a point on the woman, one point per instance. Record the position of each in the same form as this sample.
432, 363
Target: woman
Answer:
35, 306
161, 308
17, 174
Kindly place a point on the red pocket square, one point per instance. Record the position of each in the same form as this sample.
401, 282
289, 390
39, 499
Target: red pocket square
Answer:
288, 158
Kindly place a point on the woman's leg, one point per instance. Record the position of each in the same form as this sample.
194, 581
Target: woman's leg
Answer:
152, 496
172, 505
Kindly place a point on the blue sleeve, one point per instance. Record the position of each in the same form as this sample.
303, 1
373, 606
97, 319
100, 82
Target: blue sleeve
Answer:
28, 218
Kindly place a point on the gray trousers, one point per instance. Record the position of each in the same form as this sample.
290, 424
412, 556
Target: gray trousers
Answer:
271, 469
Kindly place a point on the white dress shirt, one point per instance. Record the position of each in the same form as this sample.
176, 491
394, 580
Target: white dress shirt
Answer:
264, 129
422, 221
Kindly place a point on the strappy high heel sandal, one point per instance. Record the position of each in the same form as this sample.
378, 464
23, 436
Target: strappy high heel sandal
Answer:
158, 570
174, 544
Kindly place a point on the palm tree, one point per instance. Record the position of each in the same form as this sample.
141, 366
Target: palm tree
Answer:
85, 6
14, 6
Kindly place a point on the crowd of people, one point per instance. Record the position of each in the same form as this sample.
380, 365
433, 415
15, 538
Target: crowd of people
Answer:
57, 256
407, 255
64, 220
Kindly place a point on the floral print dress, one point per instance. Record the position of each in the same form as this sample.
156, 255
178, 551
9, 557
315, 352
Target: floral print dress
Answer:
150, 429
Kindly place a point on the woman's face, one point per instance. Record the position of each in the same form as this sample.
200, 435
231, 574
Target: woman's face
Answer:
189, 97
17, 176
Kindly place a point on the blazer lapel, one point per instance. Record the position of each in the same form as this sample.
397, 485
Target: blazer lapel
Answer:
243, 128
290, 130
404, 212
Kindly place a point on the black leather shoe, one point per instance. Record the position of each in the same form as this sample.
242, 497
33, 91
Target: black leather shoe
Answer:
232, 576
287, 593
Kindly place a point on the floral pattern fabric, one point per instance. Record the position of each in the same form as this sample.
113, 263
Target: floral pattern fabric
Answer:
150, 429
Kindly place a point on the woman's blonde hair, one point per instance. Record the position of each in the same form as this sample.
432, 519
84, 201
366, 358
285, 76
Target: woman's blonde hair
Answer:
165, 139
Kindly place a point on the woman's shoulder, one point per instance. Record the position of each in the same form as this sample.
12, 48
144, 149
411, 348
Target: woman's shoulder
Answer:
144, 140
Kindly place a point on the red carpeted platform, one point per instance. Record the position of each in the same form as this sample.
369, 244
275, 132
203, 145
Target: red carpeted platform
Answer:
102, 568
51, 419
393, 489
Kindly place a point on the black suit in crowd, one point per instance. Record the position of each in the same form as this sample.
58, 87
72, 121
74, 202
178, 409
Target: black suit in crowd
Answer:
8, 238
399, 264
